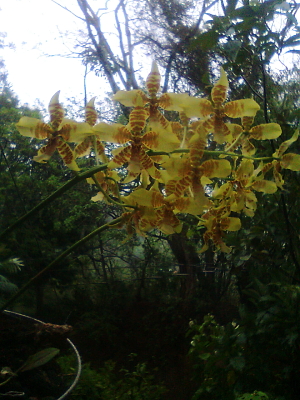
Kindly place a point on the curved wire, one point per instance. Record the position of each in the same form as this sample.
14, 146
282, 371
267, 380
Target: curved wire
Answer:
79, 364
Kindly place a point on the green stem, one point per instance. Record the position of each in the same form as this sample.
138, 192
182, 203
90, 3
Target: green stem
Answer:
78, 178
108, 198
215, 152
95, 149
59, 258
211, 152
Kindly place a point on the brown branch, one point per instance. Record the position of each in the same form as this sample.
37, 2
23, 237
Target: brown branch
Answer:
102, 48
66, 9
130, 47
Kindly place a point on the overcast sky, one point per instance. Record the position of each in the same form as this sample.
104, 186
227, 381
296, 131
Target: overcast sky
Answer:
34, 27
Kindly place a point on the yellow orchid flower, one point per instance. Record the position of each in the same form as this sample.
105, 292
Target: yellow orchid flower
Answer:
108, 182
241, 136
138, 141
85, 146
216, 221
189, 171
57, 133
286, 161
214, 111
163, 208
165, 138
239, 192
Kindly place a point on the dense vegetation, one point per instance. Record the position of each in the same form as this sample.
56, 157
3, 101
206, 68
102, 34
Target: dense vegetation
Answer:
153, 316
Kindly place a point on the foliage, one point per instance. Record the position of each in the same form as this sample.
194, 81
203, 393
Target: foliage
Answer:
8, 266
260, 351
107, 383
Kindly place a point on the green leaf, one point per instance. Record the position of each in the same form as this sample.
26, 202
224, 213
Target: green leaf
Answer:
253, 396
205, 356
40, 358
244, 12
238, 363
232, 48
206, 40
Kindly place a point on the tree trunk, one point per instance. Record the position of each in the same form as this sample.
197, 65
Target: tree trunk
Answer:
188, 260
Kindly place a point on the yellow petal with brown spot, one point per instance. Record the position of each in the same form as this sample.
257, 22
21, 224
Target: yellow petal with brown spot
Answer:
128, 98
148, 198
34, 128
241, 108
231, 224
285, 145
216, 168
114, 133
219, 91
290, 161
73, 131
264, 186
56, 111
153, 80
265, 131
195, 107
90, 112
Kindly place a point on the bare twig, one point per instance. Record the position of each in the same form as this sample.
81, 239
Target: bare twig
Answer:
66, 9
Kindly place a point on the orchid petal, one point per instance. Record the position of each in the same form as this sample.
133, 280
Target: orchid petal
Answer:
148, 198
115, 133
188, 205
231, 224
219, 91
241, 108
128, 98
56, 111
98, 197
161, 140
138, 117
235, 130
67, 155
264, 186
173, 101
195, 107
34, 128
216, 168
121, 156
265, 131
90, 112
45, 152
83, 148
285, 145
245, 170
72, 131
222, 191
153, 80
248, 148
290, 161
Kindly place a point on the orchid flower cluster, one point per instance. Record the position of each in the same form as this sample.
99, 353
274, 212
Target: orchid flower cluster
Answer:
172, 162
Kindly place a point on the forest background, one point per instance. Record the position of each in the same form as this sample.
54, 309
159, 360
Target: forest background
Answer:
142, 308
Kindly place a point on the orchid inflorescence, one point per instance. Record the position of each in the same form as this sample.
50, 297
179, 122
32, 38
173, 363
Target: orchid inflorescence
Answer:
174, 163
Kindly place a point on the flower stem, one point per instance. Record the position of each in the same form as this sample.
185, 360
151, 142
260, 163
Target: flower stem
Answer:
59, 258
78, 178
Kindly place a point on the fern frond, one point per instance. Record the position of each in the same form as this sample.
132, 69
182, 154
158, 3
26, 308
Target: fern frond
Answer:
11, 265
